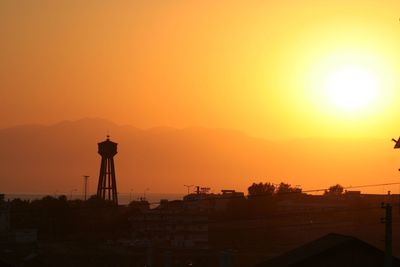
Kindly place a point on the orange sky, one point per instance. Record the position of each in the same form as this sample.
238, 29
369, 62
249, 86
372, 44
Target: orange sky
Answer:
247, 65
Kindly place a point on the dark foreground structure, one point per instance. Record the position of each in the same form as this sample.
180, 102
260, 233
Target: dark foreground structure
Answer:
107, 187
330, 251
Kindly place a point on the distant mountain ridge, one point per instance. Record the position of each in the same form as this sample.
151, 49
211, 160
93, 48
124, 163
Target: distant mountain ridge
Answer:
37, 158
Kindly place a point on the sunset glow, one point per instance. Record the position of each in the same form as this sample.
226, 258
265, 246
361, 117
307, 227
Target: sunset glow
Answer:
352, 88
274, 70
199, 133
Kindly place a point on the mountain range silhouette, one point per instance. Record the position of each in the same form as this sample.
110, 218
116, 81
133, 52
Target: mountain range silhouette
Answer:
39, 158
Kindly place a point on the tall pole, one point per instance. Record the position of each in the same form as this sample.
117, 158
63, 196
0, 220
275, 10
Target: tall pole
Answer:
188, 187
396, 146
388, 233
85, 186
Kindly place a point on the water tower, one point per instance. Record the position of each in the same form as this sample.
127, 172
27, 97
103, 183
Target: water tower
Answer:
107, 187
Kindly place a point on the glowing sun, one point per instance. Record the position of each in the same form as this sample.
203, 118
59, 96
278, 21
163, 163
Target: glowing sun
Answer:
352, 87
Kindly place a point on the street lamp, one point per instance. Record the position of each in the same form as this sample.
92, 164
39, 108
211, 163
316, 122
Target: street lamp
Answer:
397, 143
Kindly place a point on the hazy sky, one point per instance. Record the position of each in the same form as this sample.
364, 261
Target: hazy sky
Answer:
257, 66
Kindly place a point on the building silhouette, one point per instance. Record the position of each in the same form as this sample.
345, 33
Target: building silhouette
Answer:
331, 250
107, 186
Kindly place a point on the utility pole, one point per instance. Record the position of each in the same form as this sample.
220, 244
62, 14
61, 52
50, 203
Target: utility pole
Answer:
188, 187
388, 233
397, 146
85, 186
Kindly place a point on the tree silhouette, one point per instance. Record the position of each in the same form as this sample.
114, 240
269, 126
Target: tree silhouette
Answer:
334, 190
266, 189
285, 188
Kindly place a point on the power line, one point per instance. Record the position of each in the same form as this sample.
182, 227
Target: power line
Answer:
221, 197
213, 197
351, 187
